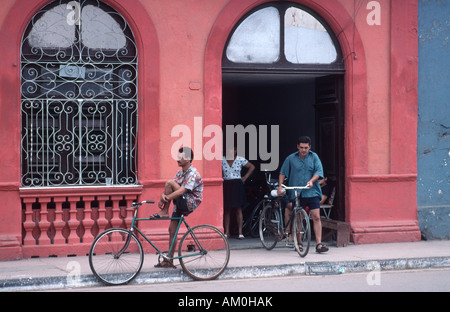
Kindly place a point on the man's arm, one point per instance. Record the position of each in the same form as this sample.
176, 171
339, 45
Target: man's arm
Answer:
313, 179
281, 178
174, 195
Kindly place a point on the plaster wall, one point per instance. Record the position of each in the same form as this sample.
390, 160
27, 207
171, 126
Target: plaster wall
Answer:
433, 150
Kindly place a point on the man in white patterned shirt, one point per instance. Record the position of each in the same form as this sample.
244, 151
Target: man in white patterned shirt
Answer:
186, 192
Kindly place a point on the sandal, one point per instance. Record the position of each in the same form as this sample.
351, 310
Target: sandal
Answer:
158, 217
323, 248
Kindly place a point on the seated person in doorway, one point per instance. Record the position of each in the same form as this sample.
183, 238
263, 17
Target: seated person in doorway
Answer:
186, 192
326, 190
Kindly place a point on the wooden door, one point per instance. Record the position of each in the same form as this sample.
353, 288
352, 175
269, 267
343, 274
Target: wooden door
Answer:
330, 145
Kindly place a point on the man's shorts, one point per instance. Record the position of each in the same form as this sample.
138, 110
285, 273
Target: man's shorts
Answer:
311, 202
180, 207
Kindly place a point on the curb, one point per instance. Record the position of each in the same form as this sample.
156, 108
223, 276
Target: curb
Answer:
305, 268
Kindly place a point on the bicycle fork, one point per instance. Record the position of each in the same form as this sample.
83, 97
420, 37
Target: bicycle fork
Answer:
277, 220
127, 242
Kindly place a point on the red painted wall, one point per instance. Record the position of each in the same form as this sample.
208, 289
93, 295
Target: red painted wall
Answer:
180, 45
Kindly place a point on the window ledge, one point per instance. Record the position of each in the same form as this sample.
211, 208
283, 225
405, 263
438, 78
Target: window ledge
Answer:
81, 190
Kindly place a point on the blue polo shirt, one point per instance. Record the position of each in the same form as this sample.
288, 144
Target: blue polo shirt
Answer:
299, 171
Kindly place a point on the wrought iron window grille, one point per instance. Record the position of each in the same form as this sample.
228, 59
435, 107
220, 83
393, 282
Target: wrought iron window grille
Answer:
78, 97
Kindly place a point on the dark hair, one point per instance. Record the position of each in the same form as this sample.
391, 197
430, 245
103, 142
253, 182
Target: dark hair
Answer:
187, 152
304, 139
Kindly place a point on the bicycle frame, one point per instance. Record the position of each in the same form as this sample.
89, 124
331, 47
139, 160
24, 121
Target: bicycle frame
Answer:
181, 220
297, 201
297, 205
294, 209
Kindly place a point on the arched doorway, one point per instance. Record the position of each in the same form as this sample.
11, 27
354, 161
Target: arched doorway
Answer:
282, 65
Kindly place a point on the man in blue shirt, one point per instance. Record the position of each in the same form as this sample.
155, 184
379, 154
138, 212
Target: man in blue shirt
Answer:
305, 168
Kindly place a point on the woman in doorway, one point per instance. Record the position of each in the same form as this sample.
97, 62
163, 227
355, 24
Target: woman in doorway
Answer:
233, 188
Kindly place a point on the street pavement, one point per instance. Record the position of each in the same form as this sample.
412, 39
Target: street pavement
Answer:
248, 260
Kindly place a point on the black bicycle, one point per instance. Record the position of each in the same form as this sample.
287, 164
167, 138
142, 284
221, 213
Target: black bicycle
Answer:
258, 193
272, 227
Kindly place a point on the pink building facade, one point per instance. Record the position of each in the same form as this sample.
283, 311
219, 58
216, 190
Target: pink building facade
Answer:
179, 79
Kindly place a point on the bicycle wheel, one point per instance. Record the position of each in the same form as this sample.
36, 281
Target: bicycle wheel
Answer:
301, 230
253, 222
269, 223
204, 252
108, 265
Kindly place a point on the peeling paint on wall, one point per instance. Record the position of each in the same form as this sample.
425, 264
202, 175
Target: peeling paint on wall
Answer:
433, 141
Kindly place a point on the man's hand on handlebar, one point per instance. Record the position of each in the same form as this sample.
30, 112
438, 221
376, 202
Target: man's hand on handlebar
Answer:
280, 190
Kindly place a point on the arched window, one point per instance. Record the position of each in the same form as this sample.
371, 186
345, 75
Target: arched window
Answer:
78, 97
283, 35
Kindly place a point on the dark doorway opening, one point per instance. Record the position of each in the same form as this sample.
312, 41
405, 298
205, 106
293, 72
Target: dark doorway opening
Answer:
299, 104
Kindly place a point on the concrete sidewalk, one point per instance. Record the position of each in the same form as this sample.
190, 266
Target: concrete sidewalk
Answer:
248, 260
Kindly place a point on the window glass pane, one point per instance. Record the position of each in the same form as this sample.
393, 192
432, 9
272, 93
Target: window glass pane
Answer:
100, 30
52, 30
306, 41
257, 38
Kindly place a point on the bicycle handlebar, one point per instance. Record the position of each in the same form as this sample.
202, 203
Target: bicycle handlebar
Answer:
135, 205
295, 187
